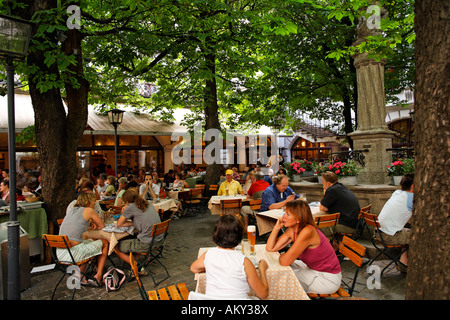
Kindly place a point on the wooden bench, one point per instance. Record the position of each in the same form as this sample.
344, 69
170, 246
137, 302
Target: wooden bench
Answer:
173, 292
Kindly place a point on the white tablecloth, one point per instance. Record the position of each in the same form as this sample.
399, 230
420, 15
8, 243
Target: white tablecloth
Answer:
165, 204
266, 220
283, 284
214, 202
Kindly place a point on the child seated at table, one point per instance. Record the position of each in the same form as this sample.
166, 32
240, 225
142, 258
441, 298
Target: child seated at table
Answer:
311, 255
229, 274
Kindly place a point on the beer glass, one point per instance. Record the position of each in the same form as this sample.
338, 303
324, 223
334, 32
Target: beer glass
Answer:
251, 236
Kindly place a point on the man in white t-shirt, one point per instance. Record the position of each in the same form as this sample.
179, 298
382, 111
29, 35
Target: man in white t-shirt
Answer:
395, 215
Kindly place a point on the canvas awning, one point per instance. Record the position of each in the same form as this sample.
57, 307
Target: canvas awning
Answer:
133, 123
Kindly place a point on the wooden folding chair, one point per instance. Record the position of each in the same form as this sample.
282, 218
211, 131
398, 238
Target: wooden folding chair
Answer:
355, 253
255, 205
155, 249
373, 227
161, 214
212, 190
178, 292
201, 187
116, 209
194, 204
62, 242
359, 226
328, 221
231, 206
135, 269
204, 198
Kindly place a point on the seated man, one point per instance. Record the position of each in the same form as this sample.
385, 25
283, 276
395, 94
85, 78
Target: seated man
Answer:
258, 186
229, 186
254, 192
278, 194
339, 198
169, 177
395, 215
101, 185
149, 190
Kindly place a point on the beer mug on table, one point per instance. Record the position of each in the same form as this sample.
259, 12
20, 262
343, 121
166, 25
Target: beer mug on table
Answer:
251, 236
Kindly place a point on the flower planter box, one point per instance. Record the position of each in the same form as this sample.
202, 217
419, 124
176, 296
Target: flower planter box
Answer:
348, 181
396, 180
307, 173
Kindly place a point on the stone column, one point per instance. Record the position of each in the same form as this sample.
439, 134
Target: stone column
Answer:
372, 132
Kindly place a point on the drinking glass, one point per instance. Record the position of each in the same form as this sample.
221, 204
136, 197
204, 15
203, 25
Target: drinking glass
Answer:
251, 236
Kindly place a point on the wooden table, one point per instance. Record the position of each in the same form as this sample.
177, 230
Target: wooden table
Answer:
174, 193
214, 202
266, 220
283, 284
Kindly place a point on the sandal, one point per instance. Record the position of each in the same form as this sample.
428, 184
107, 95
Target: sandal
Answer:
402, 268
91, 283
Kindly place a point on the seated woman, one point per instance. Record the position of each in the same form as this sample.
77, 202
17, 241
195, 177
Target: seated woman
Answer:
179, 182
229, 274
143, 216
122, 185
111, 189
318, 268
74, 224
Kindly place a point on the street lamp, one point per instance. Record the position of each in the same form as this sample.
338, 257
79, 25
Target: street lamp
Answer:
115, 117
15, 35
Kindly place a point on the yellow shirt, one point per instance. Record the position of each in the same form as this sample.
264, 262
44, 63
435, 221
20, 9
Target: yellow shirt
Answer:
233, 187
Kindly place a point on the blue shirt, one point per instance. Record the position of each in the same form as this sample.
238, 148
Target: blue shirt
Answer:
271, 195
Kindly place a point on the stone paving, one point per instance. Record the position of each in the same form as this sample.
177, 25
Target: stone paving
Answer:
186, 236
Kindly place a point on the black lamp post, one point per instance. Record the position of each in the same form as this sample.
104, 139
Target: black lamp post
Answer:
14, 38
115, 117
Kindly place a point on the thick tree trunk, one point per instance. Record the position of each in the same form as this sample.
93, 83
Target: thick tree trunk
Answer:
428, 261
58, 131
211, 116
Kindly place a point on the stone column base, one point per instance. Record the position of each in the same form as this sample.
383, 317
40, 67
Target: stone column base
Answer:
377, 159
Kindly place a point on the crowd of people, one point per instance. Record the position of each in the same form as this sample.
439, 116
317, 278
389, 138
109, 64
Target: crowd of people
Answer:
303, 246
295, 235
26, 181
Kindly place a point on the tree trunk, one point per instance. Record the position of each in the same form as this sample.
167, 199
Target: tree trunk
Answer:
428, 262
211, 115
58, 132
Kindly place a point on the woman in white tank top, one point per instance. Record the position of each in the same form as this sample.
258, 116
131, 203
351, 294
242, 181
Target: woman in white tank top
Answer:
229, 274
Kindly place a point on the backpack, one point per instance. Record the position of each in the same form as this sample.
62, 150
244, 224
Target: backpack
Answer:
113, 279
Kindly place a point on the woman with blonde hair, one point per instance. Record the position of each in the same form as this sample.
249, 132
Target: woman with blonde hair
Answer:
317, 267
75, 223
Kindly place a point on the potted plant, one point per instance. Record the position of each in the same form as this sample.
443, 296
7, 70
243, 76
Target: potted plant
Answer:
399, 168
298, 168
319, 168
347, 172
